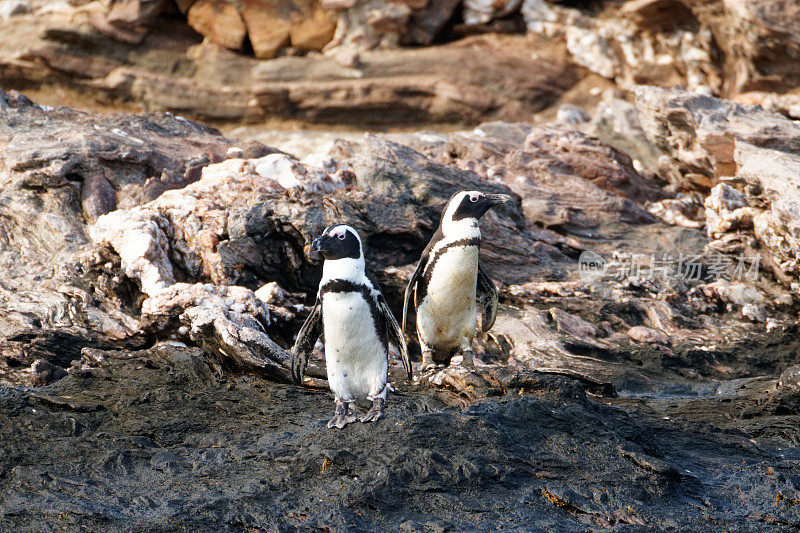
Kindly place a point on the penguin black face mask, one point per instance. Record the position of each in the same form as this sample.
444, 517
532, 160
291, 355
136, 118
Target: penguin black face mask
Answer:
475, 204
337, 242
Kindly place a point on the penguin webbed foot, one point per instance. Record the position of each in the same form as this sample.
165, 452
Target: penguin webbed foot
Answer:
376, 411
343, 415
427, 361
466, 359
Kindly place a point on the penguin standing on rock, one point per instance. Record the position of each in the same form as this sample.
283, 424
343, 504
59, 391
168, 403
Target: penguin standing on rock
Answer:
449, 283
357, 325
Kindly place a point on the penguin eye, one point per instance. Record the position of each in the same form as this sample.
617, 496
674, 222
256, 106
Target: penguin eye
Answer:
341, 236
474, 197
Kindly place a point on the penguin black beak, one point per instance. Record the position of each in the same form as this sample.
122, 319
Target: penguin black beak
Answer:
320, 244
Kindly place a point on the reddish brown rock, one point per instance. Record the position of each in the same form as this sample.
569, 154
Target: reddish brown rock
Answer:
273, 24
267, 25
219, 22
313, 28
454, 83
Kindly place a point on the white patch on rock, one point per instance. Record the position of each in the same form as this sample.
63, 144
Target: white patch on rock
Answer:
727, 209
592, 51
485, 11
752, 302
9, 8
281, 168
540, 17
571, 114
271, 293
293, 174
141, 245
684, 211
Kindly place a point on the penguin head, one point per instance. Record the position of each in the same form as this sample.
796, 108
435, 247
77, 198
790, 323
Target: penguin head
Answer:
338, 242
470, 206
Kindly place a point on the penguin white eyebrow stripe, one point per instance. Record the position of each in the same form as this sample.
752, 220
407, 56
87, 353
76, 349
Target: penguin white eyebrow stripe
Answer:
335, 231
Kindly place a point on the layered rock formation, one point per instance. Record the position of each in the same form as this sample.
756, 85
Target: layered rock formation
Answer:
749, 157
360, 61
139, 272
153, 274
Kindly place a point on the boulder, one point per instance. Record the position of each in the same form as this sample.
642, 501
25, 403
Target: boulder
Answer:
567, 180
302, 24
219, 21
62, 170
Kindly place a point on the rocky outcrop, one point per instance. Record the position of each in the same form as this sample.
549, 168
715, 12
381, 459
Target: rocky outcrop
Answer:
172, 70
350, 61
730, 46
722, 47
567, 180
746, 147
621, 313
760, 38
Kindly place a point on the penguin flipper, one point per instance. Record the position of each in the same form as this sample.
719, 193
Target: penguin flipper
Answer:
395, 333
412, 285
487, 297
306, 339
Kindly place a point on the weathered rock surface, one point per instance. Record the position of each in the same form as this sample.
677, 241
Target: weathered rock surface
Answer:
224, 452
756, 151
61, 170
760, 40
147, 346
349, 61
483, 77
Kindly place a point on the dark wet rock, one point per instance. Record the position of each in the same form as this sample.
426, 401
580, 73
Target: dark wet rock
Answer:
164, 420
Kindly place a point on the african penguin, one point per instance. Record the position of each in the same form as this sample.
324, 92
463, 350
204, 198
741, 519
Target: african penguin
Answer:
357, 326
449, 279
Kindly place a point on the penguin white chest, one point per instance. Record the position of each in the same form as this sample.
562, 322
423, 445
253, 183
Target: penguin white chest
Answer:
355, 357
447, 314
